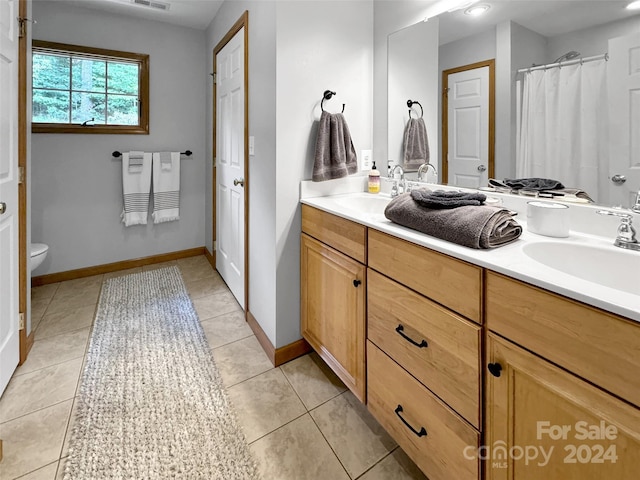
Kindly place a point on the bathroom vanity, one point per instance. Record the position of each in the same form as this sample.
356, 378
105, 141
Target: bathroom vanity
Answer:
477, 366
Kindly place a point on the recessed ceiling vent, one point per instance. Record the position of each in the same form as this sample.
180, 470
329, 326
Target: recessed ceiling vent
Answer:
152, 4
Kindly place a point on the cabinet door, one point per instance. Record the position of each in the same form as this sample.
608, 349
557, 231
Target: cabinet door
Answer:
545, 423
333, 290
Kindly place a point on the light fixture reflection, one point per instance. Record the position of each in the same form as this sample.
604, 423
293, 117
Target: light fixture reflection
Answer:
477, 10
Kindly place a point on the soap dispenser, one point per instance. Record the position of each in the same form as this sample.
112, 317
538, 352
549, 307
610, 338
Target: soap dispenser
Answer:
374, 179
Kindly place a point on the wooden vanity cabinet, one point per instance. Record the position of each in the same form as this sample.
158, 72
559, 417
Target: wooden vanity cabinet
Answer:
333, 293
545, 423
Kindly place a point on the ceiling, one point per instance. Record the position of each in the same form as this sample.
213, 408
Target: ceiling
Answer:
546, 17
187, 13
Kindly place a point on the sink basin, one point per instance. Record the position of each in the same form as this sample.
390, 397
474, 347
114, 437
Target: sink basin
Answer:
366, 203
610, 268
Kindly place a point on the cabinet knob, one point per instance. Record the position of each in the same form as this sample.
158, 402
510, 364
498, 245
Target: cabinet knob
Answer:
356, 282
495, 369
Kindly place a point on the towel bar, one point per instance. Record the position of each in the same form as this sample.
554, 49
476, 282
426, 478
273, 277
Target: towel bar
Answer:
118, 154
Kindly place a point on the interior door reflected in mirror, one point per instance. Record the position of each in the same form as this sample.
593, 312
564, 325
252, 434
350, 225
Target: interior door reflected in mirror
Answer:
538, 130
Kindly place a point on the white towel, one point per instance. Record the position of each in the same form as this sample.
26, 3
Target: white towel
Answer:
166, 189
136, 187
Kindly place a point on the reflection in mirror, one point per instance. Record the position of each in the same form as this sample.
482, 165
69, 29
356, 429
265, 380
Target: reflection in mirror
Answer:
583, 137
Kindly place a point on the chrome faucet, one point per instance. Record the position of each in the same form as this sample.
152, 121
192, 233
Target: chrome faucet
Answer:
398, 187
423, 171
626, 233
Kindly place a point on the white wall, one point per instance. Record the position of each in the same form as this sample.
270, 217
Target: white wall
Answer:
320, 46
262, 166
76, 191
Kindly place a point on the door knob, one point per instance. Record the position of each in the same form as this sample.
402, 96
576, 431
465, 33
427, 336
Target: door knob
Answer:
3, 207
238, 181
618, 179
482, 168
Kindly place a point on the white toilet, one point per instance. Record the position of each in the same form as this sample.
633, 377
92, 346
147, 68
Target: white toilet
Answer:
38, 254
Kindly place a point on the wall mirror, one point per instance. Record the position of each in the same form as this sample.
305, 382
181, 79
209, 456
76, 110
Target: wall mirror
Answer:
528, 89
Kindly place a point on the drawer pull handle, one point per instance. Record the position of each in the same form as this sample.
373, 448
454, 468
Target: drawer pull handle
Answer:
495, 369
356, 283
400, 330
421, 433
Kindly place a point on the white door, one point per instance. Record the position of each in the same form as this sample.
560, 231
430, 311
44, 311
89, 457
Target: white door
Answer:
230, 164
624, 93
468, 128
9, 335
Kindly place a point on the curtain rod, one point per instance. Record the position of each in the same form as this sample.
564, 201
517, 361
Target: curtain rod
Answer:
604, 56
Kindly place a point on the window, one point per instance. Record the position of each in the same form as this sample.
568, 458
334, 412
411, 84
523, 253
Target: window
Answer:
89, 90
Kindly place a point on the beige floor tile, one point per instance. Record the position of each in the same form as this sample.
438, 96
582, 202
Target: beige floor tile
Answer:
353, 433
313, 380
226, 328
276, 404
154, 266
396, 466
44, 292
195, 261
54, 350
214, 305
42, 388
44, 473
61, 465
79, 286
63, 303
122, 273
65, 321
203, 287
196, 272
33, 441
241, 360
38, 309
69, 430
297, 451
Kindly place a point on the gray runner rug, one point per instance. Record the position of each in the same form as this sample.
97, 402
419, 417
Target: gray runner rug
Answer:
151, 402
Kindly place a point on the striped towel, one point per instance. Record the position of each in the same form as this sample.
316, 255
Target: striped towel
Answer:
136, 185
135, 161
166, 188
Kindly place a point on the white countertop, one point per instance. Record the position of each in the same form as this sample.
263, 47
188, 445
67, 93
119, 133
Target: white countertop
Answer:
509, 260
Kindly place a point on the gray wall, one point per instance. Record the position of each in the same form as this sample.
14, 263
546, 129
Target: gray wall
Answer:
76, 190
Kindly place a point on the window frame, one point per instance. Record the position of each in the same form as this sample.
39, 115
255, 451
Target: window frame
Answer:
40, 46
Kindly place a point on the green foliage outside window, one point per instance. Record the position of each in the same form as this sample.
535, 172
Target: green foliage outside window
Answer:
74, 86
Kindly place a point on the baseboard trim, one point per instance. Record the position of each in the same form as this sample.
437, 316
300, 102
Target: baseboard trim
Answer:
211, 257
281, 355
114, 267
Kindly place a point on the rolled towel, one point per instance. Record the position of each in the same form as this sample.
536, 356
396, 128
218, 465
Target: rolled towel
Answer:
442, 199
471, 226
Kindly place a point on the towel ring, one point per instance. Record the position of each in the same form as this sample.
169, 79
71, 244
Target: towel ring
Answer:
327, 96
411, 103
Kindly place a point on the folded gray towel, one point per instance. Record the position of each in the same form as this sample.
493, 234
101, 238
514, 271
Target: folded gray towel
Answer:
335, 156
415, 146
441, 199
165, 161
471, 226
533, 183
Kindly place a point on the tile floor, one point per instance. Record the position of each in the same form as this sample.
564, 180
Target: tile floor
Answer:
303, 423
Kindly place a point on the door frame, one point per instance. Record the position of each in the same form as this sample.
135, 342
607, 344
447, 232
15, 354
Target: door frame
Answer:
26, 342
243, 21
445, 115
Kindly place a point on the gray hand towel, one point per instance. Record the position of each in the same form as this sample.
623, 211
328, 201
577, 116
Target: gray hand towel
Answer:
415, 146
471, 226
165, 161
441, 199
533, 183
335, 156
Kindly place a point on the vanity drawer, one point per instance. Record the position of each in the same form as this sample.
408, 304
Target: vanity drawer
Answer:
440, 452
344, 235
399, 320
598, 346
447, 280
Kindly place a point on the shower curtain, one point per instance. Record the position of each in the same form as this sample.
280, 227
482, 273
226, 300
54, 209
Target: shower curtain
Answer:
563, 126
